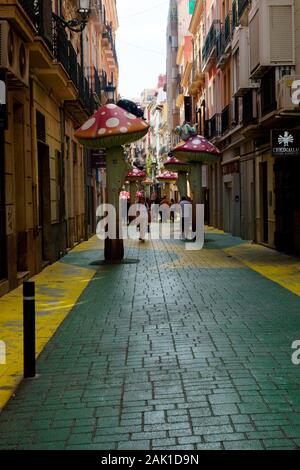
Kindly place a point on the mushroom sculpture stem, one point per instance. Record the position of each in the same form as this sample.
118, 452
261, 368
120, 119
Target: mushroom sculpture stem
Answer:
182, 183
116, 173
110, 128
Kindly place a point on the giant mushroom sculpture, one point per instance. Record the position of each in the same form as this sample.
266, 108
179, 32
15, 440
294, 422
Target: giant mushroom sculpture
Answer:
147, 183
110, 128
181, 168
135, 177
197, 151
168, 178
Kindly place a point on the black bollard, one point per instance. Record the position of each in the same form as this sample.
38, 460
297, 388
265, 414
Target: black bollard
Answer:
29, 329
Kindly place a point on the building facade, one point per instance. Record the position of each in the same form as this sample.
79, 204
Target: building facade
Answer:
54, 79
245, 61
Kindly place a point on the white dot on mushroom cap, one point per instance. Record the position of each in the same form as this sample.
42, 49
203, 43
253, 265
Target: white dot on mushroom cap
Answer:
103, 114
129, 124
196, 141
144, 124
88, 124
130, 116
101, 131
113, 122
123, 130
111, 106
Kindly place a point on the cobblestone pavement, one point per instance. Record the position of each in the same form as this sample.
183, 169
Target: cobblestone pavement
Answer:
185, 350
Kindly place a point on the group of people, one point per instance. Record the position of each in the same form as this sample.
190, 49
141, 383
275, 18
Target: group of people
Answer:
156, 213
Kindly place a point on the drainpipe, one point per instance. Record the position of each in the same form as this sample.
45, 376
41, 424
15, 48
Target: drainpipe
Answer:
85, 161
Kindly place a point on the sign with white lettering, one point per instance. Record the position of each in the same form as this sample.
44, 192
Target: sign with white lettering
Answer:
286, 143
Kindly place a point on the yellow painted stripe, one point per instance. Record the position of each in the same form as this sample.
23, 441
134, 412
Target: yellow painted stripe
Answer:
278, 267
58, 288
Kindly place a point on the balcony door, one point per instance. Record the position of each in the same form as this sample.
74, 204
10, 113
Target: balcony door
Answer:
44, 201
3, 250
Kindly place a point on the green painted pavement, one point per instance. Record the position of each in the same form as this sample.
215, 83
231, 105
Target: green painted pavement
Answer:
181, 351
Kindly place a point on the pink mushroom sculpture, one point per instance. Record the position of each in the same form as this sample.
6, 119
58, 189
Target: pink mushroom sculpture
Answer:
181, 168
197, 151
168, 178
109, 128
147, 183
135, 178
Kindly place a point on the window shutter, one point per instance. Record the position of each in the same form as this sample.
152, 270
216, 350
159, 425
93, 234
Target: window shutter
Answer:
281, 34
254, 42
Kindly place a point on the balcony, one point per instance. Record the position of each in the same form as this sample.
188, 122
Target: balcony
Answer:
197, 79
84, 104
248, 115
209, 49
98, 15
268, 93
20, 14
242, 6
215, 127
225, 119
235, 20
223, 41
108, 44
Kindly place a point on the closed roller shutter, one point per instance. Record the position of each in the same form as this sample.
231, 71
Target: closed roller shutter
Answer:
281, 34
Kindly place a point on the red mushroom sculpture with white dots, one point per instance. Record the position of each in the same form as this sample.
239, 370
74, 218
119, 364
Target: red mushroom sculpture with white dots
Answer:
135, 177
181, 168
197, 151
168, 178
110, 128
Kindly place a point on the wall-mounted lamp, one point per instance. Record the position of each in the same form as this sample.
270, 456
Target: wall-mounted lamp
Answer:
77, 25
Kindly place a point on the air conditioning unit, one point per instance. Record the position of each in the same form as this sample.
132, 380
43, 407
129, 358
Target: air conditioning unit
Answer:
271, 35
241, 62
284, 94
14, 55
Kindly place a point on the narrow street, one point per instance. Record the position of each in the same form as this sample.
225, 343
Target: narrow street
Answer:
184, 350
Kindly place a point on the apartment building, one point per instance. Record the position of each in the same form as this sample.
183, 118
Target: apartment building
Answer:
54, 77
245, 61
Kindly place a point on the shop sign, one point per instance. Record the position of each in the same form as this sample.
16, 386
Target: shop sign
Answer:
98, 158
3, 101
286, 143
231, 168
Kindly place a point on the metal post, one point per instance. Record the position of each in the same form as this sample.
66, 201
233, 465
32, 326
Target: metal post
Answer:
29, 329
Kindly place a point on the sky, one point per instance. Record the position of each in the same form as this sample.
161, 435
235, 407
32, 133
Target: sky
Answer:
141, 44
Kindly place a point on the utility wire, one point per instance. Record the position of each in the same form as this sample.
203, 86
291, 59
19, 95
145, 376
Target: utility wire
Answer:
141, 48
143, 11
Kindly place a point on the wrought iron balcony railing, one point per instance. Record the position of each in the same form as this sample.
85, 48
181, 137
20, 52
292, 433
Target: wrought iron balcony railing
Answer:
215, 126
227, 29
248, 116
29, 7
242, 5
226, 119
235, 20
210, 40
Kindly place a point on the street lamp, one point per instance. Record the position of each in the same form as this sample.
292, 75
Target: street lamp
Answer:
77, 25
110, 90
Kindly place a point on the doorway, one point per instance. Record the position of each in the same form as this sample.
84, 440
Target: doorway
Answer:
44, 201
228, 208
264, 202
287, 197
3, 250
